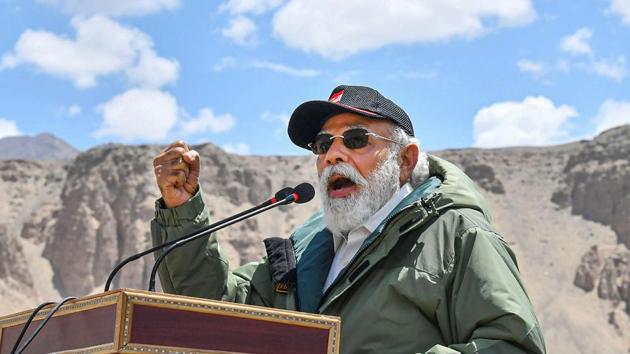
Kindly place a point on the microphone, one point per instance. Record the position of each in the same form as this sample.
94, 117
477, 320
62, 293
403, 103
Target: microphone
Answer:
280, 195
302, 193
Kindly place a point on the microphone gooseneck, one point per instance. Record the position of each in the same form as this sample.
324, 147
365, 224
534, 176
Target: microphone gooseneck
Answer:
44, 322
300, 194
279, 195
28, 323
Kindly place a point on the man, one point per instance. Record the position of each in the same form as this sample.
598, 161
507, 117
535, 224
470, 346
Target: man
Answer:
403, 250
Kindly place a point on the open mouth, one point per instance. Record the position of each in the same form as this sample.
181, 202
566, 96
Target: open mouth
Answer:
340, 186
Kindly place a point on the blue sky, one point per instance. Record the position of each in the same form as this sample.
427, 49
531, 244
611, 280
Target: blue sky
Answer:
484, 73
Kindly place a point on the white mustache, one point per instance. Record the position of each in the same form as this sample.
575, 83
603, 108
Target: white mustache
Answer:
343, 169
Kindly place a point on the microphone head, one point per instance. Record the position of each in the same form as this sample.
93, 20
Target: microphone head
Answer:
305, 192
283, 193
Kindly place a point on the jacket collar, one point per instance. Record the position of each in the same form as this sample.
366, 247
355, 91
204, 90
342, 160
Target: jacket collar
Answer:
314, 249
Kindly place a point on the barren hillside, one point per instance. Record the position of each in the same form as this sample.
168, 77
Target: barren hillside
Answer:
565, 210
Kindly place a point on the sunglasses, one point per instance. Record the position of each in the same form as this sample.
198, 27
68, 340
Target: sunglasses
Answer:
354, 138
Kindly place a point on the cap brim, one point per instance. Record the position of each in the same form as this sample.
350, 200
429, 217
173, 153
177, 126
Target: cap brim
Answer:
309, 117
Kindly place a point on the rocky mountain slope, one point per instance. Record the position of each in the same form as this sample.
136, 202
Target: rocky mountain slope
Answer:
40, 147
564, 209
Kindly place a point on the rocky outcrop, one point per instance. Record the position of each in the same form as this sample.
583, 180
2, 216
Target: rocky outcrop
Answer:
485, 178
596, 186
12, 262
597, 181
27, 188
589, 269
608, 270
108, 199
614, 280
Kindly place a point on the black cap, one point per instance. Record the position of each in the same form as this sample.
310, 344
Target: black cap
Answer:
307, 120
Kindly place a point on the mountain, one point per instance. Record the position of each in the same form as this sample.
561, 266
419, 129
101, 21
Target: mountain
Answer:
39, 147
564, 209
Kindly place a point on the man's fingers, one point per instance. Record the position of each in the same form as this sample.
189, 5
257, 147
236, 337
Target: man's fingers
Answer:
173, 155
177, 143
163, 174
192, 158
171, 169
192, 182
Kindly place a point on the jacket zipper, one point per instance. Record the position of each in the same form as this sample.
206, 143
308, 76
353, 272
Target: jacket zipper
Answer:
362, 249
428, 204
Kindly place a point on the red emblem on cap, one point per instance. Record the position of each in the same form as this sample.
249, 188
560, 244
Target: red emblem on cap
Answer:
336, 97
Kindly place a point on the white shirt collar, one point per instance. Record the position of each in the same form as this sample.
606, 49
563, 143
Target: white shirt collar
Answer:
372, 223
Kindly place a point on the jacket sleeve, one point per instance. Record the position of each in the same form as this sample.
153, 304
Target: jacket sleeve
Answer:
487, 309
200, 268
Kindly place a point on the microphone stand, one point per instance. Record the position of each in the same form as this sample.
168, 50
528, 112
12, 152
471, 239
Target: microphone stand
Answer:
132, 258
212, 228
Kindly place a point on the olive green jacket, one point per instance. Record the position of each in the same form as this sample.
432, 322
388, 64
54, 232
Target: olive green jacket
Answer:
434, 277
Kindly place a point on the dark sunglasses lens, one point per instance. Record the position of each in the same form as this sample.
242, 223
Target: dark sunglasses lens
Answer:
355, 138
321, 144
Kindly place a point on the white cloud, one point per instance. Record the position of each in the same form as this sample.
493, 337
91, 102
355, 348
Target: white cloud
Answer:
112, 8
612, 69
578, 42
255, 7
534, 121
224, 63
8, 128
239, 148
241, 30
338, 29
153, 71
231, 63
207, 121
621, 8
101, 47
139, 114
9, 61
578, 45
536, 69
152, 115
284, 69
73, 110
612, 113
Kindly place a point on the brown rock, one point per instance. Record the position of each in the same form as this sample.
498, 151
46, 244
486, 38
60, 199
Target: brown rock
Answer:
589, 269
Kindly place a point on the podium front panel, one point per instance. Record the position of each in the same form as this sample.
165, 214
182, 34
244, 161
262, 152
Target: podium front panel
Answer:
136, 321
88, 325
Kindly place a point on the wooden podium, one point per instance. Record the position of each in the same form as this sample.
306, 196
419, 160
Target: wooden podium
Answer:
136, 321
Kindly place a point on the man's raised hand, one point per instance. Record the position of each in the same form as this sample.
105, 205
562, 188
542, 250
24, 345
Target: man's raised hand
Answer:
177, 173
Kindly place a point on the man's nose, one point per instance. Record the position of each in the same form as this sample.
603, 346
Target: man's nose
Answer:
337, 152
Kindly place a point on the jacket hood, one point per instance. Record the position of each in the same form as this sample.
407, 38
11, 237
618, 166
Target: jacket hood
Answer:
446, 187
457, 189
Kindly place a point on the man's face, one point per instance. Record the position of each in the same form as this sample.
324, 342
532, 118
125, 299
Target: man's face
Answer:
364, 160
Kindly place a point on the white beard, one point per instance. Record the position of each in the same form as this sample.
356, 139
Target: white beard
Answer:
341, 215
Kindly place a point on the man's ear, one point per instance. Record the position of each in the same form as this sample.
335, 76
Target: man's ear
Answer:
408, 159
